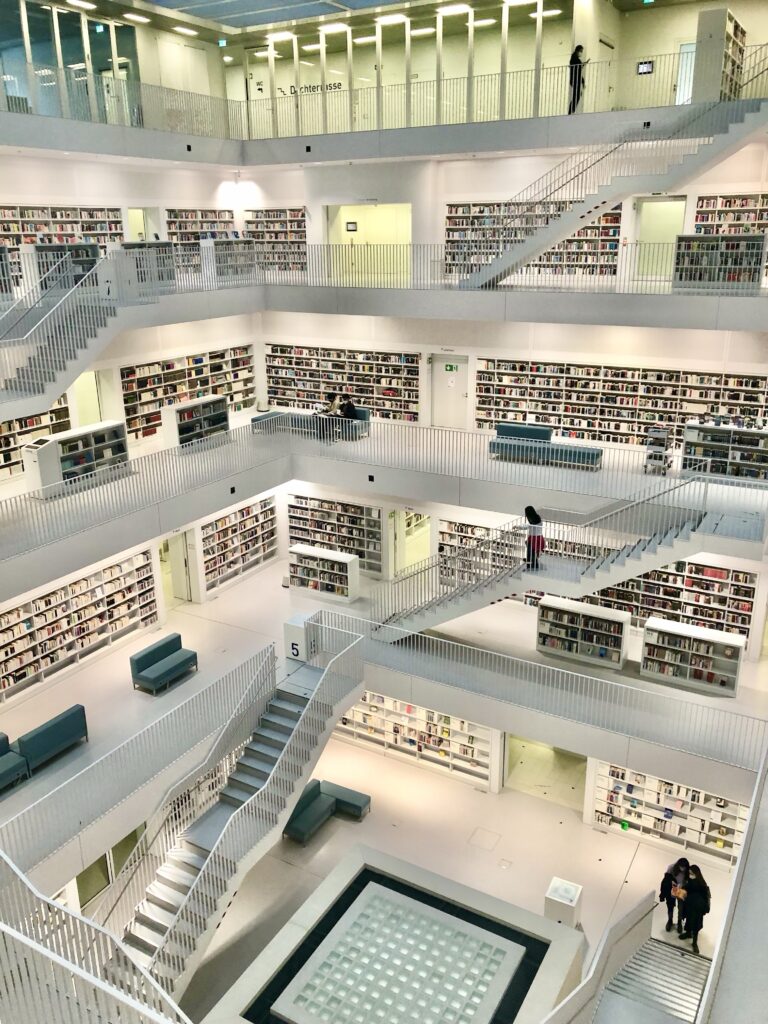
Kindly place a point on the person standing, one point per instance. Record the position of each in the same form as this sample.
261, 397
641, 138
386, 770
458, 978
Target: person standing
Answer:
675, 877
576, 78
698, 901
534, 543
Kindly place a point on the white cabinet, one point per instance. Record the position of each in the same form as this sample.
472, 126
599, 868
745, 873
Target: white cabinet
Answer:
692, 657
585, 632
73, 456
330, 573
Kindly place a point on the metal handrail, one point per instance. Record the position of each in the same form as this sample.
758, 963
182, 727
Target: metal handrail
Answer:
35, 291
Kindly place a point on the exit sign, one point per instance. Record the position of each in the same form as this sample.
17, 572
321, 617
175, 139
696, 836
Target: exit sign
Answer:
451, 368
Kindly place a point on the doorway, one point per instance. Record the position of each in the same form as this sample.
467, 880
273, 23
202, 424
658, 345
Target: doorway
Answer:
605, 96
552, 774
685, 65
660, 221
174, 570
411, 537
371, 243
143, 224
450, 384
86, 399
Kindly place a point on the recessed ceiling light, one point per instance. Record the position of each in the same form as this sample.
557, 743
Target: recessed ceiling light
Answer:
544, 14
334, 26
391, 19
362, 40
84, 5
307, 63
280, 37
519, 3
227, 58
76, 67
426, 31
184, 31
454, 9
483, 22
361, 78
312, 47
130, 16
333, 71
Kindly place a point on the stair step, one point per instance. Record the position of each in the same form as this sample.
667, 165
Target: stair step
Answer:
287, 708
153, 916
176, 877
259, 767
271, 737
142, 937
262, 751
234, 795
288, 697
186, 859
277, 723
245, 780
164, 896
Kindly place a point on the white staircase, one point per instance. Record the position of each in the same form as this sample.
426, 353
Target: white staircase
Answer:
659, 982
684, 143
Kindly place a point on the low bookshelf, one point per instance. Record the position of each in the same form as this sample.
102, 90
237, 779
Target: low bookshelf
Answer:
200, 419
692, 657
583, 632
72, 456
333, 574
16, 434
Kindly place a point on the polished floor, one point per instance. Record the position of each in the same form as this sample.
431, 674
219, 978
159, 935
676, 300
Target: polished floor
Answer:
509, 845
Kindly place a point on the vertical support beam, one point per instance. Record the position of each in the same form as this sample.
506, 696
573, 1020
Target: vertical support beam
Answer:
408, 84
30, 71
323, 78
537, 62
379, 91
273, 89
504, 62
296, 87
470, 114
350, 81
439, 71
91, 81
118, 93
62, 76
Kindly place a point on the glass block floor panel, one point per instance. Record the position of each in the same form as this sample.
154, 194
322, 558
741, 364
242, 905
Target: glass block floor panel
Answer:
392, 959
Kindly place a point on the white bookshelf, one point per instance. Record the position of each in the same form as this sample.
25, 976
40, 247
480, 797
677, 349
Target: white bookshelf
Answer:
73, 455
280, 237
223, 549
582, 632
28, 225
191, 225
719, 262
644, 806
16, 434
444, 743
234, 259
148, 387
57, 628
691, 657
728, 449
733, 214
387, 383
334, 574
594, 402
196, 420
719, 62
338, 525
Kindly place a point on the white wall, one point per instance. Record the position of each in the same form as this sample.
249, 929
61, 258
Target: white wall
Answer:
179, 63
658, 30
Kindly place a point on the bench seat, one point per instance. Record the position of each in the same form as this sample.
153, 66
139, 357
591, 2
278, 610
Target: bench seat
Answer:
160, 664
303, 826
546, 453
52, 737
12, 765
348, 801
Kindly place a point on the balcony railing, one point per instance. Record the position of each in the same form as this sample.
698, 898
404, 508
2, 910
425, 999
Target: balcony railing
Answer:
609, 85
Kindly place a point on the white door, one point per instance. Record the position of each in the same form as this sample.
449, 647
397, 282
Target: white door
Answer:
450, 381
684, 86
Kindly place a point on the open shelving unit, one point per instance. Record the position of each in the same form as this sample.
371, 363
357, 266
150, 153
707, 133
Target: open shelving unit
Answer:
15, 434
57, 628
339, 526
476, 232
29, 225
691, 657
659, 809
191, 225
601, 403
197, 420
731, 450
718, 262
73, 455
331, 573
444, 743
719, 62
742, 213
225, 548
387, 383
584, 632
148, 387
280, 237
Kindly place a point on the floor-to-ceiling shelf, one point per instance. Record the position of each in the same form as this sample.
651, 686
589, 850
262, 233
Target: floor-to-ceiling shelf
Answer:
726, 450
230, 545
192, 225
338, 525
280, 237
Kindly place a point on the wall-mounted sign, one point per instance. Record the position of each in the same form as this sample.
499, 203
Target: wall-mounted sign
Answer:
351, 225
645, 67
451, 368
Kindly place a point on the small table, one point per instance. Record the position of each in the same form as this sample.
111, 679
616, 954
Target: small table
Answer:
562, 902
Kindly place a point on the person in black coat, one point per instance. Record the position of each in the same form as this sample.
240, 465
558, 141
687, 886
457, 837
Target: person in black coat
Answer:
576, 78
674, 878
698, 901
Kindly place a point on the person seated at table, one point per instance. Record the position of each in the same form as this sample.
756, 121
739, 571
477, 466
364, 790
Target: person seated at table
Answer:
348, 408
332, 404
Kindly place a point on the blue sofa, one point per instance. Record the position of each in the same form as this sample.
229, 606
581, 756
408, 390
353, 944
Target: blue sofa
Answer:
528, 442
324, 428
158, 665
319, 802
12, 765
52, 737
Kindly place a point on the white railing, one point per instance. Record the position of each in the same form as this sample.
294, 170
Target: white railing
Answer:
184, 802
35, 833
666, 719
56, 959
254, 821
608, 85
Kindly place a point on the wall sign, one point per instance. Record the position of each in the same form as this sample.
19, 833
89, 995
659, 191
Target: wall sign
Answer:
451, 368
645, 67
351, 225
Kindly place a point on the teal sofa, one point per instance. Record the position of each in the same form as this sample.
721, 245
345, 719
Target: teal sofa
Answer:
528, 442
319, 802
12, 765
160, 664
52, 737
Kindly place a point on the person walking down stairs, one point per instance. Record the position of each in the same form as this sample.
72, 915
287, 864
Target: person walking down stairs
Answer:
674, 878
697, 903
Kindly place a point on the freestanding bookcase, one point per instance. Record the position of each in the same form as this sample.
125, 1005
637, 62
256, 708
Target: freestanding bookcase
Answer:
720, 42
74, 455
692, 657
197, 420
585, 632
330, 573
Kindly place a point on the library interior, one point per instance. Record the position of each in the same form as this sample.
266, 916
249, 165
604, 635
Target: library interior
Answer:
383, 511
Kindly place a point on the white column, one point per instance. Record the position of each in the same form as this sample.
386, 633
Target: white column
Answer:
407, 44
296, 86
537, 61
62, 78
350, 81
504, 61
323, 93
272, 88
439, 71
470, 66
31, 77
379, 93
92, 82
